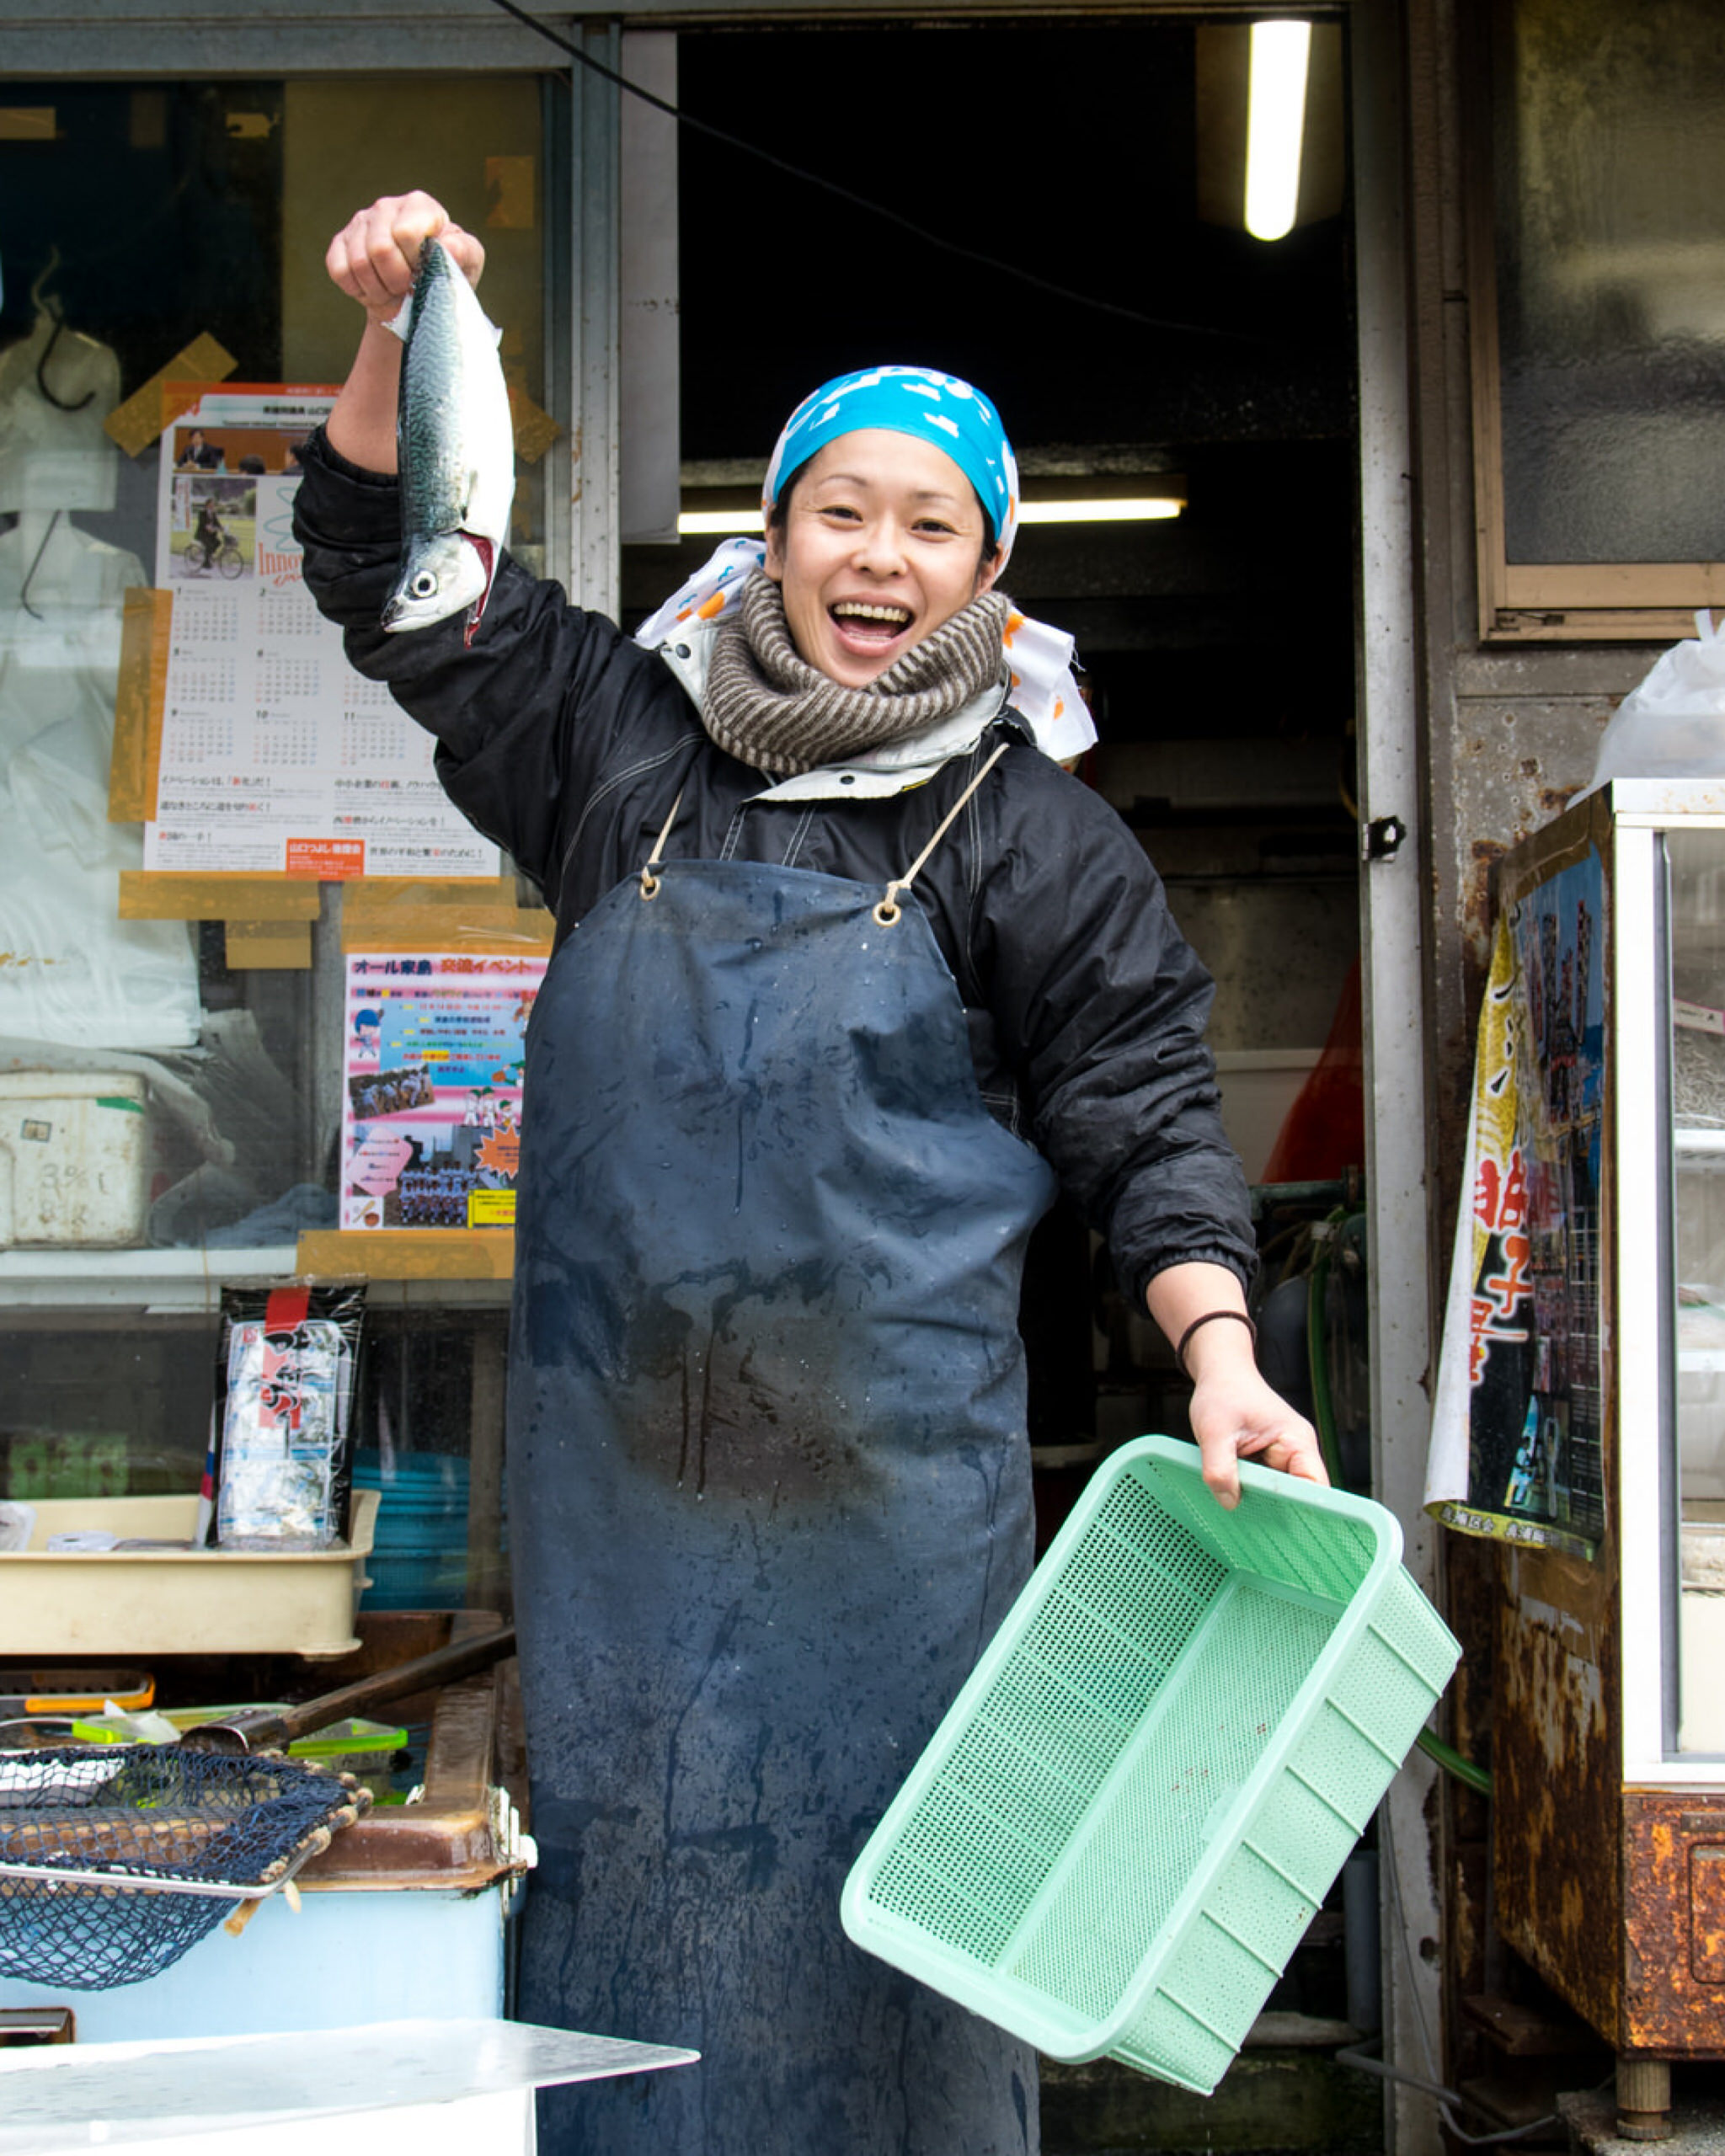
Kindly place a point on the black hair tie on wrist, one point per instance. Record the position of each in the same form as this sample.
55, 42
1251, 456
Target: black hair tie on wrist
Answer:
1208, 1317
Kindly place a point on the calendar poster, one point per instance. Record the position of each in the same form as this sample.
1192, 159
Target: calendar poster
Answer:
431, 1098
276, 755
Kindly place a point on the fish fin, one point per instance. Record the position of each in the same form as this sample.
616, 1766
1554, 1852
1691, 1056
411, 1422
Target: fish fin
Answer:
397, 325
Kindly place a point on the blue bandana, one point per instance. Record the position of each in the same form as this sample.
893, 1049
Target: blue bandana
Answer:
916, 401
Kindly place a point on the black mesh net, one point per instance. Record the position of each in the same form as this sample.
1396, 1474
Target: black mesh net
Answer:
126, 1817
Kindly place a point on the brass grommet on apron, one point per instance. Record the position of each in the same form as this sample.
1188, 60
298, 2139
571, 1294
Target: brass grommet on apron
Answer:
649, 882
889, 910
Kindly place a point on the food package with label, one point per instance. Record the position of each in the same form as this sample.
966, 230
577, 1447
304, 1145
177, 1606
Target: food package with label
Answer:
284, 1396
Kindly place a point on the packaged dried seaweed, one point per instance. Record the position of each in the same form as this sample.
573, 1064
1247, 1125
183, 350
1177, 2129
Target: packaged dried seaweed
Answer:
285, 1387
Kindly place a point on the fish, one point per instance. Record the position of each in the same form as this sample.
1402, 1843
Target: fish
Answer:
456, 451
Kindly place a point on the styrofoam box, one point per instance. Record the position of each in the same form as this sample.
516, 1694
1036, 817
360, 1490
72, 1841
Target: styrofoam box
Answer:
73, 1160
142, 1602
1258, 1087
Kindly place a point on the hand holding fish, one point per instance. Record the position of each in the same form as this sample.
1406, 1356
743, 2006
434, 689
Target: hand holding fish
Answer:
373, 257
426, 399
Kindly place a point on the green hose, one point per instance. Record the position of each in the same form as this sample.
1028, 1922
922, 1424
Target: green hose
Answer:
1318, 1360
1452, 1763
1323, 1416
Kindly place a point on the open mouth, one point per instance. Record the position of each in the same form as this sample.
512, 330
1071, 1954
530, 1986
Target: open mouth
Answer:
869, 626
488, 561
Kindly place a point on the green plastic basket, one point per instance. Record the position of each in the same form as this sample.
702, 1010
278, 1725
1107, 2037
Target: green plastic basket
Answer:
1119, 1832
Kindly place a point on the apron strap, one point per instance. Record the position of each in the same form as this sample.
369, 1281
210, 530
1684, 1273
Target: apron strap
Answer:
889, 910
649, 882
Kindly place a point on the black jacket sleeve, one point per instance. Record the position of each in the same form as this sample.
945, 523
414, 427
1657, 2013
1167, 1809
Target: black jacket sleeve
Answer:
1105, 1003
524, 715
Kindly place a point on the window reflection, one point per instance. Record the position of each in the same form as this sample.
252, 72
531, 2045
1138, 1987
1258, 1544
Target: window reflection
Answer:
1697, 1062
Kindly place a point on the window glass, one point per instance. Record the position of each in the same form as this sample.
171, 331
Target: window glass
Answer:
187, 1085
1697, 1064
1610, 264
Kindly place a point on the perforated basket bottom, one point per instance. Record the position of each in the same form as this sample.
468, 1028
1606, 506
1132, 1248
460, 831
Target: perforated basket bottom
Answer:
1009, 1858
1116, 1838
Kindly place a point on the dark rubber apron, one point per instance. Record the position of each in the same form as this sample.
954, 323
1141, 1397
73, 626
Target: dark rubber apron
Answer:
769, 1496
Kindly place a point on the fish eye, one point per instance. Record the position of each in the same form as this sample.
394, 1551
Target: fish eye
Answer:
424, 585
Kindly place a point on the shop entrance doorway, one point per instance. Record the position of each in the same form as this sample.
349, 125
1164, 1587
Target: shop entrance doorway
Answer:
1059, 216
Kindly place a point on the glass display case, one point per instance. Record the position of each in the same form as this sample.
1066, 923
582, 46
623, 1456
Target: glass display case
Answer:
1609, 1715
1692, 866
1669, 978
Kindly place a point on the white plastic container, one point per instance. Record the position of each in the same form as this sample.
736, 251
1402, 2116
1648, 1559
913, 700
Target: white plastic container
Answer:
73, 1159
145, 1602
1258, 1087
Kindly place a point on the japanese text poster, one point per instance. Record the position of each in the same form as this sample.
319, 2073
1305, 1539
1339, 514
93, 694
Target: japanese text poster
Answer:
431, 1105
1518, 1437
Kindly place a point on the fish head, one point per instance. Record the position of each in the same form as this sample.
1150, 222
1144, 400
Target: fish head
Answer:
439, 575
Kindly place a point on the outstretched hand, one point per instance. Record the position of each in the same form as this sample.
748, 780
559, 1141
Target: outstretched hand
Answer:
373, 257
1237, 1416
1234, 1414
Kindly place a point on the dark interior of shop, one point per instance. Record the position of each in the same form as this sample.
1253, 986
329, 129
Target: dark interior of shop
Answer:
1220, 645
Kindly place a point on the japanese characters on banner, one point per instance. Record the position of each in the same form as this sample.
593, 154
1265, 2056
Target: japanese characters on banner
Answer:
1517, 1422
275, 755
431, 1098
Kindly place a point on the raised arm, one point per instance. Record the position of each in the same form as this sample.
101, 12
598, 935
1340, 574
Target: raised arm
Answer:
372, 260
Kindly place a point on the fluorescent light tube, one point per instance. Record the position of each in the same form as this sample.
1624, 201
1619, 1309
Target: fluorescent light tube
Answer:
1138, 511
1275, 125
692, 521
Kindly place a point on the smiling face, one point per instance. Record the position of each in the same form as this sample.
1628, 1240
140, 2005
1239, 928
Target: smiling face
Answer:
879, 547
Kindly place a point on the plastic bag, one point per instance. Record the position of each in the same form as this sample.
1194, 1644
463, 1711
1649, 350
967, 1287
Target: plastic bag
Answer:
1672, 724
283, 1415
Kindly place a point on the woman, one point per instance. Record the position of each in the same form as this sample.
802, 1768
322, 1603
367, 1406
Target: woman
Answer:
837, 941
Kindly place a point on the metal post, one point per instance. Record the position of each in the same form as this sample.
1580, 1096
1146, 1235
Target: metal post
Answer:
488, 1574
594, 567
1392, 882
1643, 2097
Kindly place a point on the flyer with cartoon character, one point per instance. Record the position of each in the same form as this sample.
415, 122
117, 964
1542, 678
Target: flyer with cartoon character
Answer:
431, 1101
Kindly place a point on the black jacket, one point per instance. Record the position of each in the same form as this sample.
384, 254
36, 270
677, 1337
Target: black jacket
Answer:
567, 742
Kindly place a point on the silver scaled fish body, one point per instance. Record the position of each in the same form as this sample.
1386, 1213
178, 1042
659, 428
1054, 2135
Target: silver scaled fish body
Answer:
456, 448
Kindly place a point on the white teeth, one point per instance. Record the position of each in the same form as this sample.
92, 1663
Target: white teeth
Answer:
856, 607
